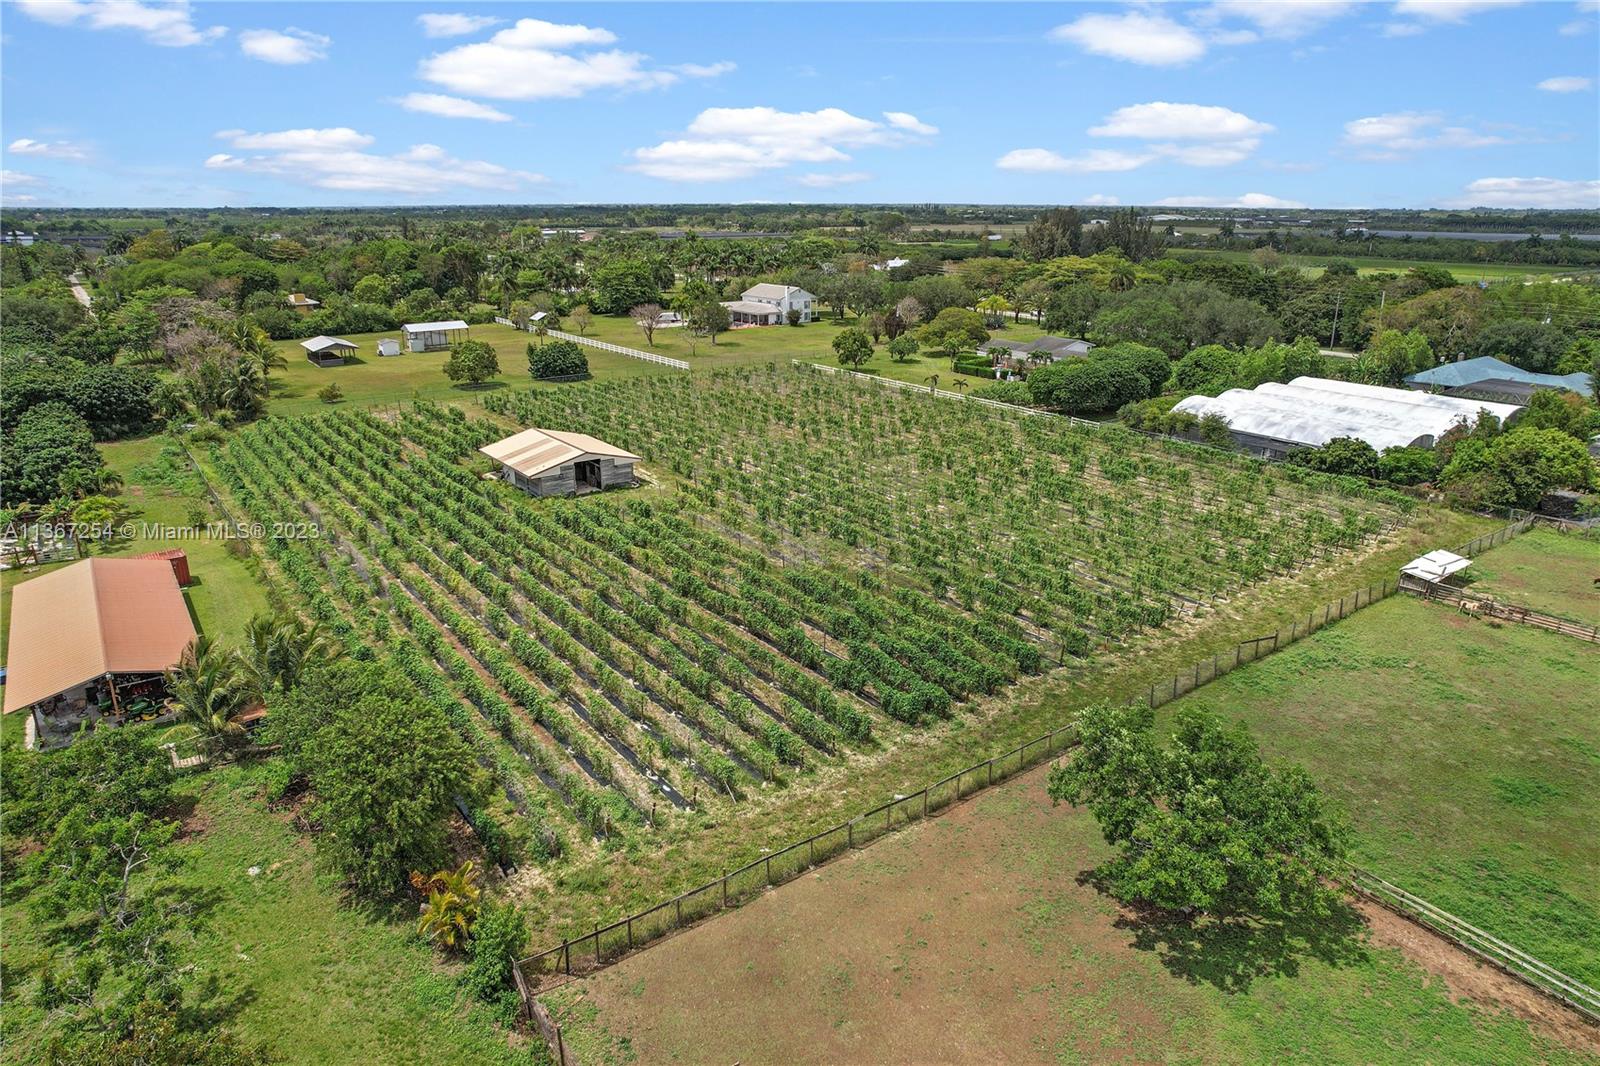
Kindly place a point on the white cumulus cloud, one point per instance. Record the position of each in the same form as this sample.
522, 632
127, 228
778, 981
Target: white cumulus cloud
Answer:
170, 25
335, 159
48, 149
451, 107
1571, 84
1136, 37
1096, 160
1400, 133
1548, 193
1282, 18
1101, 199
1248, 200
1448, 10
16, 177
535, 60
727, 143
287, 47
454, 25
829, 181
706, 70
1190, 122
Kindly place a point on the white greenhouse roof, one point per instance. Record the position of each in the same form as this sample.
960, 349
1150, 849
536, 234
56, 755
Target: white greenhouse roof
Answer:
433, 327
1436, 565
1313, 411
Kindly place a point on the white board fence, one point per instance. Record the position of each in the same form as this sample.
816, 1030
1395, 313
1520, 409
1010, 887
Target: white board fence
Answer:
632, 353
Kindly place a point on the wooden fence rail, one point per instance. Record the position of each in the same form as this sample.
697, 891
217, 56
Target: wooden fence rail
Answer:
1569, 990
1484, 607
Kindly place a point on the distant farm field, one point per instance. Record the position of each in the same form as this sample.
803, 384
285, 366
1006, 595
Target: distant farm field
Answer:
1467, 272
973, 937
1545, 570
1466, 753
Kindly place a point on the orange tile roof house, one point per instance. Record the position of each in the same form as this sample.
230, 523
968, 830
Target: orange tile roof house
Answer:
91, 639
548, 462
303, 303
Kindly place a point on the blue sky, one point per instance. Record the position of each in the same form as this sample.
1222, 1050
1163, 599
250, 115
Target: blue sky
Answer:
1319, 102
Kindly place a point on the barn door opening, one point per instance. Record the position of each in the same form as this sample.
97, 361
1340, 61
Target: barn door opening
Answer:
588, 473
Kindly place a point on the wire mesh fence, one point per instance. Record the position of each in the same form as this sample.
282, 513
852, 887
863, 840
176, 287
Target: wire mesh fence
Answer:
607, 943
1248, 651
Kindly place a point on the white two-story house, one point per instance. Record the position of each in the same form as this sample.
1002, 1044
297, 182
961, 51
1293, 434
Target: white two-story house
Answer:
769, 305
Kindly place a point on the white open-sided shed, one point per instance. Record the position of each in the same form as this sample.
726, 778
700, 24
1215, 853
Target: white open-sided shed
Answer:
431, 336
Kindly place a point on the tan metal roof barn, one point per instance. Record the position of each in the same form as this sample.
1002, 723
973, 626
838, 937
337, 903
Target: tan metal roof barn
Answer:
93, 618
534, 451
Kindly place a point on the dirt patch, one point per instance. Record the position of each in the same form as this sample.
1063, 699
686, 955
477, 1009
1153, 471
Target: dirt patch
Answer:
952, 943
196, 823
1467, 977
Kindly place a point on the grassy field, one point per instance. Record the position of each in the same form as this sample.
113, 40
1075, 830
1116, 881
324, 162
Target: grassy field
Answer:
1464, 272
289, 965
225, 592
1467, 754
370, 380
973, 937
1545, 570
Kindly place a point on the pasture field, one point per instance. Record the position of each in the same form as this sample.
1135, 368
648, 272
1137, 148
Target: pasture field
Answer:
846, 599
1464, 272
974, 937
368, 379
1467, 755
1546, 570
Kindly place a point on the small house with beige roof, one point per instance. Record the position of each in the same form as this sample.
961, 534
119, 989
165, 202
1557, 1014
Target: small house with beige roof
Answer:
548, 462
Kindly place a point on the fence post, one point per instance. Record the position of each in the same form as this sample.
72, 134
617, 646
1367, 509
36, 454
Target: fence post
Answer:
1294, 632
724, 890
566, 954
924, 803
561, 1047
991, 771
1275, 640
630, 934
769, 870
680, 910
850, 827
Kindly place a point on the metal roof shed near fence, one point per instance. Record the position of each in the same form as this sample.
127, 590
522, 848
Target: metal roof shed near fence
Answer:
1435, 566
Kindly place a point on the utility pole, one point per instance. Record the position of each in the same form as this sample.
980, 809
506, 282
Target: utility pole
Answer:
1338, 299
1383, 294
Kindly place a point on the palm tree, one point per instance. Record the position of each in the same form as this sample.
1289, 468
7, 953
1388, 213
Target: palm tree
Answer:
277, 651
207, 692
960, 385
452, 903
1123, 277
994, 308
933, 382
253, 341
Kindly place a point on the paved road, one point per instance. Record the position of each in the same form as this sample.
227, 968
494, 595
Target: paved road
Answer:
79, 291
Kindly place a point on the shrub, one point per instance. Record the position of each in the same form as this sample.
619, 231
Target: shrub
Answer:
499, 936
1016, 392
330, 393
557, 359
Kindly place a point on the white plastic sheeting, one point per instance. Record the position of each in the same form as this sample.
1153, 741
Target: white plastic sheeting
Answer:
1312, 411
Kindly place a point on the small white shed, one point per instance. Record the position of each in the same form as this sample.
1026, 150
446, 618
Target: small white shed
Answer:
1435, 566
388, 346
431, 336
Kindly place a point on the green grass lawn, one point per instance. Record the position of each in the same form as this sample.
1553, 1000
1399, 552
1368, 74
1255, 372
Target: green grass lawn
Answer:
1467, 754
225, 592
1545, 570
293, 967
369, 379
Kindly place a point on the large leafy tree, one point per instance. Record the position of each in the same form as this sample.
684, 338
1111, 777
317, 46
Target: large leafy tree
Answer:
383, 764
101, 879
472, 362
852, 346
1201, 824
50, 451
